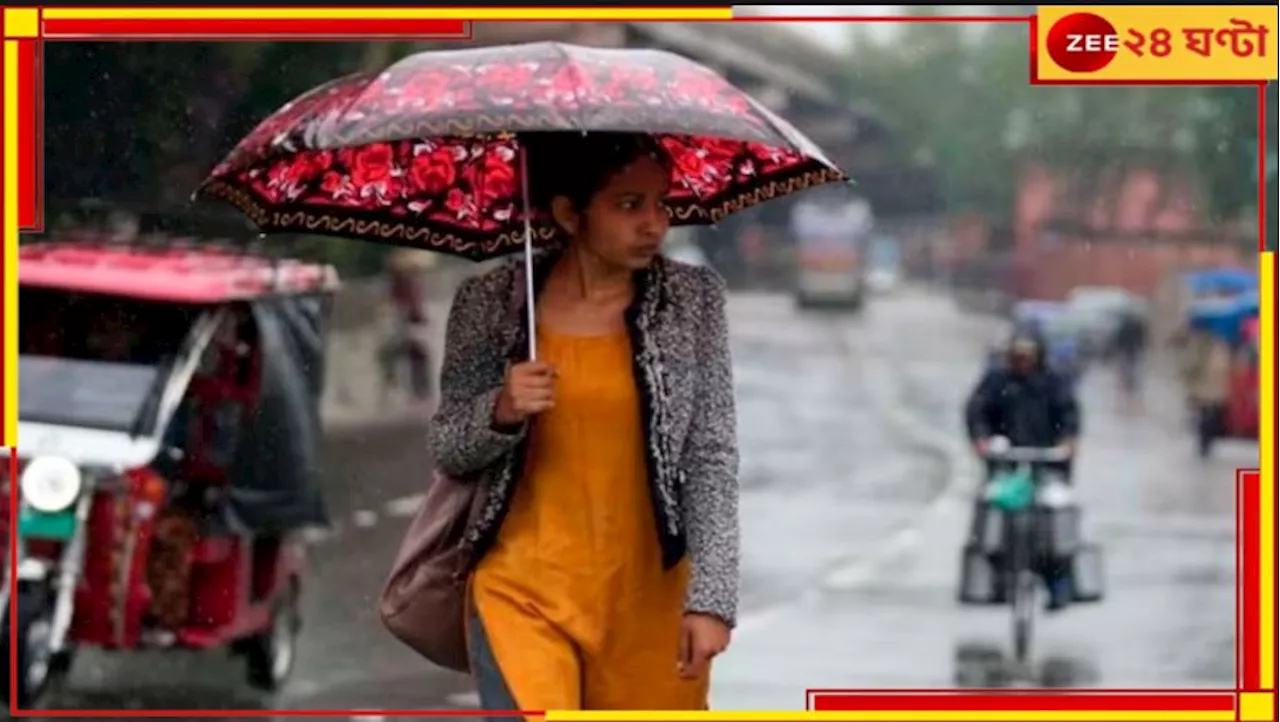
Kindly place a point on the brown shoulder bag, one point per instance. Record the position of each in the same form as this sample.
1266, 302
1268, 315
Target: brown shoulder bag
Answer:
424, 600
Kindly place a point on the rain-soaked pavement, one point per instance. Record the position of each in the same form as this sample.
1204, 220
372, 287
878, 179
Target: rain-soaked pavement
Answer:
854, 506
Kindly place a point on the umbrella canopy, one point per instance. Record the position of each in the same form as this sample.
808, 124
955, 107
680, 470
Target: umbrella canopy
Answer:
428, 152
1224, 318
1222, 280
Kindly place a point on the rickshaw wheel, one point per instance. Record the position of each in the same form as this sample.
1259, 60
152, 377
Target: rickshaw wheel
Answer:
271, 654
36, 672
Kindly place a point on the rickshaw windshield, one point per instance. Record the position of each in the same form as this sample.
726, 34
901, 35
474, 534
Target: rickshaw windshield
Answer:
95, 361
91, 394
93, 327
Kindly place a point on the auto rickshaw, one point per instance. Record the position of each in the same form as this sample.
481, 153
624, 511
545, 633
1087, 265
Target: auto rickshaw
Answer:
168, 429
1224, 380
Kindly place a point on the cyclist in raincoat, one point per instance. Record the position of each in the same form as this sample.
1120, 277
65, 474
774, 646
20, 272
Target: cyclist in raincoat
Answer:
1032, 405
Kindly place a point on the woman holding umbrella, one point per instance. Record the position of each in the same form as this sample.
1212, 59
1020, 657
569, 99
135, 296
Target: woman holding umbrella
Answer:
586, 597
587, 391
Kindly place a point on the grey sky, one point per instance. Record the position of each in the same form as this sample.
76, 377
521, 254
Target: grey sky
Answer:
836, 35
833, 35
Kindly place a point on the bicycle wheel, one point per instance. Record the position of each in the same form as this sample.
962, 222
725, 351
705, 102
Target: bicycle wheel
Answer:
1023, 582
1023, 616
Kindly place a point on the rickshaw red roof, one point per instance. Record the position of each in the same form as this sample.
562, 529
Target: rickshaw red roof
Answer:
179, 274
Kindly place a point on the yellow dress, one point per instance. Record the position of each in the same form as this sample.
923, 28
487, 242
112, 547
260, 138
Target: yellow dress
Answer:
573, 598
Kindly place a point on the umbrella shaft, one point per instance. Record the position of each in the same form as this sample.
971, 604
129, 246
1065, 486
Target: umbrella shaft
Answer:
528, 254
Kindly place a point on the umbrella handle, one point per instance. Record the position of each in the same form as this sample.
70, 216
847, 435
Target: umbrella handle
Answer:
528, 255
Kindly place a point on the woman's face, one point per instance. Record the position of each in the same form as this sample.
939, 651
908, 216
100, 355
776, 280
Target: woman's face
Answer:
626, 221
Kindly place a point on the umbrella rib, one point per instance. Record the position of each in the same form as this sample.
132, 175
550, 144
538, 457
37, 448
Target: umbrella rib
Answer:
578, 77
344, 109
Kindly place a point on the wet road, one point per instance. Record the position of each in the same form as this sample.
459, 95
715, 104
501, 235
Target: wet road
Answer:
889, 620
854, 507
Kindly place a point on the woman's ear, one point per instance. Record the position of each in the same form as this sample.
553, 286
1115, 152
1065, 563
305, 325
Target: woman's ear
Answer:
564, 214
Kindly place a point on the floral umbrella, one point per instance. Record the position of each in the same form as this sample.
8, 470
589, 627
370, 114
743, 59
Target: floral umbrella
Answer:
427, 153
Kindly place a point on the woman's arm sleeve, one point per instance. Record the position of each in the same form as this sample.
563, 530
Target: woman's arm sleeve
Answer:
461, 436
711, 467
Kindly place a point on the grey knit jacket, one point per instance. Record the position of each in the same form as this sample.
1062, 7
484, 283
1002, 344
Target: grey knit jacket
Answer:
679, 337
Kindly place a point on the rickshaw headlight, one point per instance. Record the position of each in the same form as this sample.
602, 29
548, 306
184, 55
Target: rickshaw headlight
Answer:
50, 483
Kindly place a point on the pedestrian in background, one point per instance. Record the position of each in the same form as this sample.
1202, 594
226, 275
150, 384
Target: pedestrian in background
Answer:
607, 548
1129, 347
406, 338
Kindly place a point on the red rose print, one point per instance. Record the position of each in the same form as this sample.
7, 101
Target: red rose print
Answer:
432, 172
456, 200
491, 178
387, 190
505, 78
336, 184
691, 164
371, 164
568, 81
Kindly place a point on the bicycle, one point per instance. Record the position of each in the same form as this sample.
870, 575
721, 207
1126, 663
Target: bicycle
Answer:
1014, 492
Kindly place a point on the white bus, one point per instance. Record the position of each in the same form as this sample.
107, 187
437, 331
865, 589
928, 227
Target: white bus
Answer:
831, 235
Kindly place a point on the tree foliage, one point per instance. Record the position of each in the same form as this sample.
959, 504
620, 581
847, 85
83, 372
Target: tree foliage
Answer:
960, 96
140, 124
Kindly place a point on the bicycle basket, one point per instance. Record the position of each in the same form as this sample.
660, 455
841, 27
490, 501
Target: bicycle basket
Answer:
1012, 491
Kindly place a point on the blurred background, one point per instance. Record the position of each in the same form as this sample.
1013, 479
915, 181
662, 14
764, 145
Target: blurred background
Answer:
976, 194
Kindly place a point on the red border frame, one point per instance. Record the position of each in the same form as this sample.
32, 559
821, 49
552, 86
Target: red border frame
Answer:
30, 218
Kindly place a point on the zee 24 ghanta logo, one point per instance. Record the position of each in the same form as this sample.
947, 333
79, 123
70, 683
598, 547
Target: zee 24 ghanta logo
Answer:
1087, 43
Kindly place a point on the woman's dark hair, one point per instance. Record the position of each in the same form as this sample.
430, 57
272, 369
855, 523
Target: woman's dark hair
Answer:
578, 166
